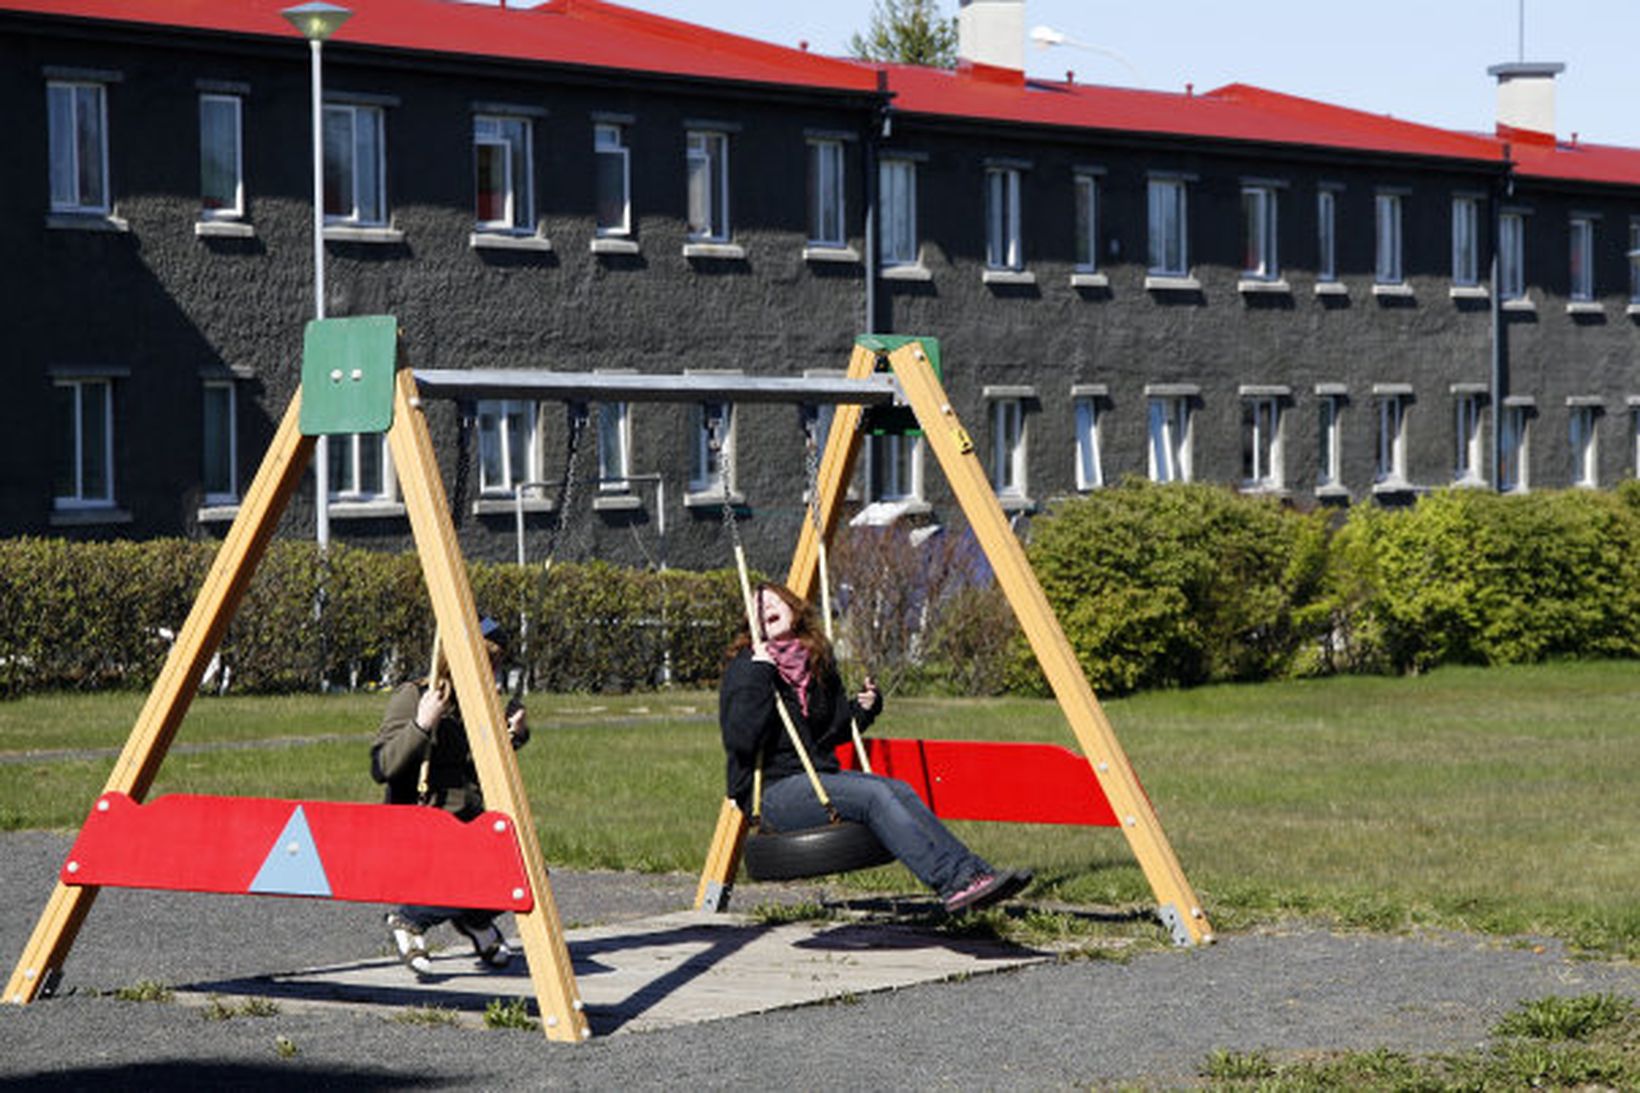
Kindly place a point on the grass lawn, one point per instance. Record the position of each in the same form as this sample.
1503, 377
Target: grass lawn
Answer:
1500, 800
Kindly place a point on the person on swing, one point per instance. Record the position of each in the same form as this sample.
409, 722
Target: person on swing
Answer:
422, 755
790, 661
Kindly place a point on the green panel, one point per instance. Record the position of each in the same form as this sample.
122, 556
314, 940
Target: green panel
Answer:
347, 375
895, 420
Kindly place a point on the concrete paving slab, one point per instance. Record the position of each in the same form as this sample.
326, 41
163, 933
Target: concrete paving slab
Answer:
655, 973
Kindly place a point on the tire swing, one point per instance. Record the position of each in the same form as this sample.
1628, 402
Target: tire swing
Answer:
839, 846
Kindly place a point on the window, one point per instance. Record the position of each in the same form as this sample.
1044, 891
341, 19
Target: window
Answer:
1391, 467
1326, 230
355, 174
1513, 459
84, 474
221, 166
221, 455
714, 449
1582, 258
77, 117
1090, 471
1465, 241
826, 193
360, 468
897, 194
1467, 454
614, 446
1008, 447
613, 179
1511, 256
508, 445
1258, 232
1087, 223
1329, 461
896, 468
708, 172
1261, 443
1585, 446
1170, 439
1003, 246
1634, 261
1169, 252
1388, 267
503, 190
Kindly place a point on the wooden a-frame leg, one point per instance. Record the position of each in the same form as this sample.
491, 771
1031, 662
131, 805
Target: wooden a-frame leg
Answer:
219, 597
545, 949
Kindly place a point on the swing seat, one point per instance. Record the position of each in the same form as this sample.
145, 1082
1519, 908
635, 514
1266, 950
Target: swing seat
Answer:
812, 852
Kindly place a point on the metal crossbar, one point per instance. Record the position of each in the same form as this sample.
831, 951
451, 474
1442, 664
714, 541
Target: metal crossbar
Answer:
881, 390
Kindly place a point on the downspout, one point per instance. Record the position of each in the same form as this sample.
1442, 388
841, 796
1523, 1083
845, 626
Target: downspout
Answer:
1502, 188
875, 131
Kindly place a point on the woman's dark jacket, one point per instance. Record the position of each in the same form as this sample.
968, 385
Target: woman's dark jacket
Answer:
395, 758
748, 719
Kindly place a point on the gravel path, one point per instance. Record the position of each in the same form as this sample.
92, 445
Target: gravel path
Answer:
1155, 1018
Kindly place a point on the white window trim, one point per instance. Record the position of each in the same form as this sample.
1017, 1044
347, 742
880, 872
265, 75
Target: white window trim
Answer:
1085, 198
1090, 468
78, 207
827, 176
910, 448
355, 220
1326, 219
622, 482
1390, 459
1009, 461
1169, 457
1516, 458
1512, 256
237, 210
230, 496
1465, 242
1469, 445
1004, 240
1583, 438
1388, 245
1270, 478
717, 188
616, 147
1580, 230
1267, 266
351, 502
714, 488
1161, 211
1329, 480
899, 215
78, 501
519, 216
534, 448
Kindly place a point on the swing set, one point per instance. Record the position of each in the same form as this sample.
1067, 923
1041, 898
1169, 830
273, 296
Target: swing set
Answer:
355, 379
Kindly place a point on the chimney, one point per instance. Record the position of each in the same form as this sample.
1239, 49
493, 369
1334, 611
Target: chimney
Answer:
991, 36
1526, 96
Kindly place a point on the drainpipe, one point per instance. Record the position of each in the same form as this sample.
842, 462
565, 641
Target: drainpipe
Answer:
868, 160
1502, 188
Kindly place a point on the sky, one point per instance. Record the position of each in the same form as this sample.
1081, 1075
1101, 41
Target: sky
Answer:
1422, 60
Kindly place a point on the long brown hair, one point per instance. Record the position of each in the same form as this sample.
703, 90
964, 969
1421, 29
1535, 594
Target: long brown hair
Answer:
807, 628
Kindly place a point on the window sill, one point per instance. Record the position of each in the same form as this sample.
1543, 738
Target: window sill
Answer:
1263, 489
1255, 285
1469, 292
1333, 493
224, 229
1331, 288
825, 252
1008, 277
500, 240
883, 513
1633, 308
1015, 503
711, 499
730, 252
346, 233
1398, 291
616, 502
1520, 303
1392, 486
1470, 482
607, 244
506, 506
1089, 279
909, 271
1163, 282
87, 222
1585, 307
89, 516
218, 513
365, 510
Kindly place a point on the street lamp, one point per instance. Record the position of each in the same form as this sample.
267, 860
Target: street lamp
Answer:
316, 22
1044, 37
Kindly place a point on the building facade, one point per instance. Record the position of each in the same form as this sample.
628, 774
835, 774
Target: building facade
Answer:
1284, 296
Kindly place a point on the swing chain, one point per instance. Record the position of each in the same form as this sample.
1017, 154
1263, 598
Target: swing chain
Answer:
576, 415
717, 442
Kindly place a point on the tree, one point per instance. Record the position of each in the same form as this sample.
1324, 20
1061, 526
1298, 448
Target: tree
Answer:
908, 32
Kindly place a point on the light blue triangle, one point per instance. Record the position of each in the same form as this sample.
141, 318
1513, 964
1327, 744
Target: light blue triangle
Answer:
292, 867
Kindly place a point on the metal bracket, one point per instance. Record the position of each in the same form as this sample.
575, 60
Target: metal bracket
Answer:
717, 896
347, 375
896, 420
1174, 922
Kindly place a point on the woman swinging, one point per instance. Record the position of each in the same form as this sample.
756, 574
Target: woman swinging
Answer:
789, 661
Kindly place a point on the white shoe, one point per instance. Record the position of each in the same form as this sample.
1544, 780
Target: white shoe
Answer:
410, 943
488, 944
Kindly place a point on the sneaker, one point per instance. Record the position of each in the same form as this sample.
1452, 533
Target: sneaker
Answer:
410, 943
984, 889
488, 944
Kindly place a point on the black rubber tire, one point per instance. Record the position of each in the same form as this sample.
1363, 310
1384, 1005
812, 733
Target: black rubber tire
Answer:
812, 852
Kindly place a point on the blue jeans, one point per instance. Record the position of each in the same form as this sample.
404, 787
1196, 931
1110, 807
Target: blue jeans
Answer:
893, 812
425, 918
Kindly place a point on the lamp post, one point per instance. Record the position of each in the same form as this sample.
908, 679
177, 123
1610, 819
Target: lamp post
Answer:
316, 22
1044, 37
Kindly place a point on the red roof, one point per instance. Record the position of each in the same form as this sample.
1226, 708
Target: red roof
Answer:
1538, 155
582, 33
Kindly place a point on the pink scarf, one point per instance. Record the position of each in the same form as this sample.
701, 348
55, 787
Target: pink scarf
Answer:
792, 661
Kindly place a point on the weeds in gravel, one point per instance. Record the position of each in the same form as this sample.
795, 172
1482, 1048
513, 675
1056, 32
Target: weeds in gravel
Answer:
427, 1015
513, 1014
779, 914
218, 1010
144, 990
285, 1047
1558, 1018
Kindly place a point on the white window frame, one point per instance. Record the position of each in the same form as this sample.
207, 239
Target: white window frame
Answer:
1388, 268
1009, 449
68, 175
517, 169
233, 208
1326, 231
1466, 221
609, 145
1170, 422
496, 422
707, 172
1330, 441
706, 477
1581, 258
1390, 464
1468, 439
1512, 256
228, 437
897, 211
1168, 203
1260, 258
346, 451
1086, 222
1090, 469
1004, 242
80, 496
614, 446
1515, 443
1261, 454
1583, 438
828, 226
896, 458
359, 178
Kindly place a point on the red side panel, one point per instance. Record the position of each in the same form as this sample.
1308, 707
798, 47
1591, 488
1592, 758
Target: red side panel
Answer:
322, 849
979, 780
